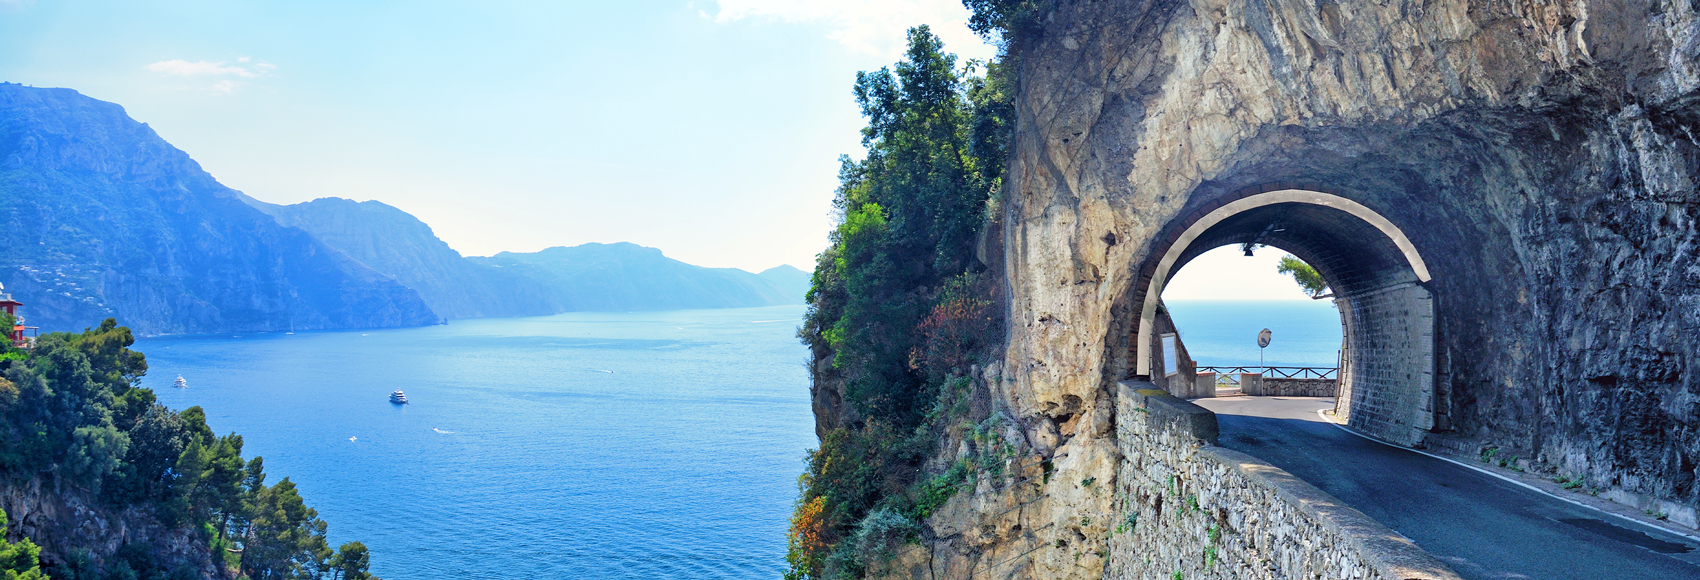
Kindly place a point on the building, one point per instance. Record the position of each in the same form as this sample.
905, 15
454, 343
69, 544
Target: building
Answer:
21, 336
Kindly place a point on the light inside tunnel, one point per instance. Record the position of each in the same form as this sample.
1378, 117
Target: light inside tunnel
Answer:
1221, 299
1385, 376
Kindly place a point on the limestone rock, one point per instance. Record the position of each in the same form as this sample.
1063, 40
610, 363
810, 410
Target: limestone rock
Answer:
1542, 157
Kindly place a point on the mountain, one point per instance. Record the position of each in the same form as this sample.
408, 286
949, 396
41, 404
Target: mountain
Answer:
395, 243
795, 282
101, 217
590, 277
624, 276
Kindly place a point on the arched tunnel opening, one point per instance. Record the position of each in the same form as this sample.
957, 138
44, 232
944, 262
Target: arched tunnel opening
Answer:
1385, 382
1220, 301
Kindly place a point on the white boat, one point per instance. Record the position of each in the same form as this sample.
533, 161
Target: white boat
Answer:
180, 383
398, 398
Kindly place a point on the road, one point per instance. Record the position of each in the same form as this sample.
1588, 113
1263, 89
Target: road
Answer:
1484, 527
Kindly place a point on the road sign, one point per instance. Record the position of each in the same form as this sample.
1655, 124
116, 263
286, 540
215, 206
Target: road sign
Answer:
1263, 338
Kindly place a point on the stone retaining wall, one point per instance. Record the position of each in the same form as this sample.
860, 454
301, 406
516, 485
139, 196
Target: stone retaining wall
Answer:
1188, 509
1280, 387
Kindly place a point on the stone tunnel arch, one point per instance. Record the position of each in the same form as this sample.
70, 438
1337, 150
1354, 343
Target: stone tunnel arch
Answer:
1387, 383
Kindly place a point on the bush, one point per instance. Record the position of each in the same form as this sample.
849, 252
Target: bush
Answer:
878, 535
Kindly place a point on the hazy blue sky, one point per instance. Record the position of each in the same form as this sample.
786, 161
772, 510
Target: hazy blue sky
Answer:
709, 129
1226, 273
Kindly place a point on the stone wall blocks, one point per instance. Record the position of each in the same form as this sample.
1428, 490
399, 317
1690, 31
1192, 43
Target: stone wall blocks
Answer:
1268, 524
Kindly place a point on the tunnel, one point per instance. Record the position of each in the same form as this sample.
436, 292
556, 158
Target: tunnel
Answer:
1379, 280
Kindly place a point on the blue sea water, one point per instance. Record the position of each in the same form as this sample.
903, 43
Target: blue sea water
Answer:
1224, 332
583, 445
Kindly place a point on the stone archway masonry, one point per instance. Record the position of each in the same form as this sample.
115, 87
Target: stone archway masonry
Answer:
1387, 387
1543, 158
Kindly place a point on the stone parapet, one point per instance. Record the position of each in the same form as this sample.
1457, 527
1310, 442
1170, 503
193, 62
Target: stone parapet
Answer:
1281, 387
1186, 508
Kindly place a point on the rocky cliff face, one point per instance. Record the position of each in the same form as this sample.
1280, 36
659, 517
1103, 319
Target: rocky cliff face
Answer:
394, 242
99, 217
1542, 156
62, 521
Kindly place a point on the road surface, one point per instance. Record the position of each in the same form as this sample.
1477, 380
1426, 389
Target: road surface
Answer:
1484, 527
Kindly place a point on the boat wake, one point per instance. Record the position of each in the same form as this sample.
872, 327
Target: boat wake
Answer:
601, 371
442, 432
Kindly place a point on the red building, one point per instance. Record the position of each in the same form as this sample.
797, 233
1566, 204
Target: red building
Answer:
16, 333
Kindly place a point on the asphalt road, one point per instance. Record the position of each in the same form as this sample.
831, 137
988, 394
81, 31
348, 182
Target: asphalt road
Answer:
1482, 526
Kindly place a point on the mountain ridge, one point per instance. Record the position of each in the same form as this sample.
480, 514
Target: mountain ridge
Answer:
100, 217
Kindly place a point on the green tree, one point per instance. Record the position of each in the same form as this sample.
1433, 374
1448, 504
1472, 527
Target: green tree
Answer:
1306, 276
108, 351
285, 538
350, 563
71, 409
894, 303
147, 471
912, 212
19, 561
7, 321
222, 482
1006, 20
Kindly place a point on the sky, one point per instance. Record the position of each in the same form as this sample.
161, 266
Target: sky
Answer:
709, 129
1226, 273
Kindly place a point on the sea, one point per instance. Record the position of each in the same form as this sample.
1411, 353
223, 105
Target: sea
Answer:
1303, 333
582, 445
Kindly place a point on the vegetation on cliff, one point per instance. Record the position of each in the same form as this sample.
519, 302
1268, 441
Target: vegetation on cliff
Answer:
899, 305
20, 560
74, 421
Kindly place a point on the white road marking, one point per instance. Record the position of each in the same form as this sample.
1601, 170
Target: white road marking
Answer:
1514, 481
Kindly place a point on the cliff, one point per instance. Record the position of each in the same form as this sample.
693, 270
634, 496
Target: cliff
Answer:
101, 217
1541, 157
68, 522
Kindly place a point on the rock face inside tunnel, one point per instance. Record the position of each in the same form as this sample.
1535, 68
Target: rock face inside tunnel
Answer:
1540, 157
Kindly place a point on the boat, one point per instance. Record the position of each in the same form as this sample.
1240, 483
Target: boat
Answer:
180, 383
398, 398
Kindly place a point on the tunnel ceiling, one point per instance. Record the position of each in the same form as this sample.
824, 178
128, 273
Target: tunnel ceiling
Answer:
1352, 255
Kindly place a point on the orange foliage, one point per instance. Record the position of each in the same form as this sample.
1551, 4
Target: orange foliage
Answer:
806, 546
957, 327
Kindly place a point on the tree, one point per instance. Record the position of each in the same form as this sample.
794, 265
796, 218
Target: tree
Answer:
7, 321
20, 561
894, 302
350, 563
285, 538
147, 472
1006, 20
71, 411
1306, 276
108, 351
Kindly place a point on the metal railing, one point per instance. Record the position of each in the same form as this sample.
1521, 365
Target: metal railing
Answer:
1229, 377
1277, 372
